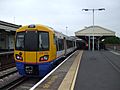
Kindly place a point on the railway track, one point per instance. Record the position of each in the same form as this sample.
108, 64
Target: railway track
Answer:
4, 81
8, 72
10, 80
23, 84
14, 84
7, 66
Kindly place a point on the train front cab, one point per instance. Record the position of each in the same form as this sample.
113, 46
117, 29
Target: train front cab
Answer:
34, 51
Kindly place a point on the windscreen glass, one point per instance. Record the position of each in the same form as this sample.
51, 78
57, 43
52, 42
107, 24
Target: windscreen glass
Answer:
43, 41
32, 41
20, 41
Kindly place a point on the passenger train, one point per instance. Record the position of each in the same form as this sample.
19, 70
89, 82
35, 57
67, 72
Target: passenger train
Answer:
38, 47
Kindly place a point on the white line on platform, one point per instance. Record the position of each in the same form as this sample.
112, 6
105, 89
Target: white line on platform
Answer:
115, 53
6, 52
50, 72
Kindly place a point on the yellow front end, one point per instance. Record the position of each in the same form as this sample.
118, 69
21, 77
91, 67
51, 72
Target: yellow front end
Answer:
34, 55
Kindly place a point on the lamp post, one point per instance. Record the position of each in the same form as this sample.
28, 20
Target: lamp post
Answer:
93, 10
66, 30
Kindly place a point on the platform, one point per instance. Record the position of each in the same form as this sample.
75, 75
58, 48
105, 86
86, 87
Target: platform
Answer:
85, 70
96, 73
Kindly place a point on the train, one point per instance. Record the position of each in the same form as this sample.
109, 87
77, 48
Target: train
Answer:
39, 47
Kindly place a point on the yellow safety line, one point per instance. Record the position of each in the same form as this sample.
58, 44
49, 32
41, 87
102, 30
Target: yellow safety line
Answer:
69, 80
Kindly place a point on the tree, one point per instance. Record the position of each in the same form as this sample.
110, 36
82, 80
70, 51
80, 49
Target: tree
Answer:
112, 40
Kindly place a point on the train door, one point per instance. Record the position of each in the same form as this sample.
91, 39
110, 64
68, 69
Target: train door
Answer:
31, 46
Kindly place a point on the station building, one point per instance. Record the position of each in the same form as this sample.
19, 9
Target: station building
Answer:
96, 33
7, 35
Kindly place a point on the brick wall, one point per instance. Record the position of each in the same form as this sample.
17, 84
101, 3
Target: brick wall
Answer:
113, 46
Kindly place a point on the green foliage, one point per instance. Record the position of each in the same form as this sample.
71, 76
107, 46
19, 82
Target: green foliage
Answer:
112, 40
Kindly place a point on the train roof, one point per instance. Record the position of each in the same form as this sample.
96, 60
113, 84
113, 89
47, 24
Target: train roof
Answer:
43, 27
35, 26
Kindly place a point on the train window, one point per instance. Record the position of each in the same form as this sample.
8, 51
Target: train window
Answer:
20, 41
57, 45
56, 42
73, 43
31, 41
69, 44
43, 41
61, 44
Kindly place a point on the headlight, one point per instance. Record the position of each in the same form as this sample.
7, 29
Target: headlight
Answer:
18, 57
44, 58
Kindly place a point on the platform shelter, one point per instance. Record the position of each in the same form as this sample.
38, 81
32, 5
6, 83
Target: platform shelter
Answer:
97, 32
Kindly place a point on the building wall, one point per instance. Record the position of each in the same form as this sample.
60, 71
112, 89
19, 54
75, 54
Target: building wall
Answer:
113, 46
7, 33
11, 41
6, 41
2, 41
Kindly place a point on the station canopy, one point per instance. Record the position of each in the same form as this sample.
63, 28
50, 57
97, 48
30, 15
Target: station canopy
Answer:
5, 26
99, 34
97, 31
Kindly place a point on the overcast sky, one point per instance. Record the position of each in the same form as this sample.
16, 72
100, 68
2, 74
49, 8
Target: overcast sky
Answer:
61, 13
